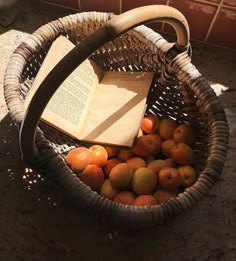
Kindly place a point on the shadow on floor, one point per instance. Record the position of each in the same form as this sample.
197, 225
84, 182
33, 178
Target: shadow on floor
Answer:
38, 208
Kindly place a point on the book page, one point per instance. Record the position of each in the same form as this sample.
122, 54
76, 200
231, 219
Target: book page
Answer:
68, 106
117, 109
91, 105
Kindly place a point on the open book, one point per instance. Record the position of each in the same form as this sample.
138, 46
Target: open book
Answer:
95, 106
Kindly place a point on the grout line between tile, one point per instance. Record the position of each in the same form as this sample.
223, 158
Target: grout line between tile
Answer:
213, 20
163, 24
79, 4
229, 7
59, 5
206, 2
215, 4
120, 6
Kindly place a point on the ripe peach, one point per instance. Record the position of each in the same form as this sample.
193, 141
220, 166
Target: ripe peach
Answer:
150, 124
92, 176
125, 197
145, 200
163, 195
144, 181
182, 154
188, 175
169, 178
108, 191
109, 165
112, 151
166, 147
157, 165
99, 155
166, 128
184, 134
125, 154
136, 162
121, 175
79, 158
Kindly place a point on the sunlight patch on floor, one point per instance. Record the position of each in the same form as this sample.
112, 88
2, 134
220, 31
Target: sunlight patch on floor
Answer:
8, 43
218, 88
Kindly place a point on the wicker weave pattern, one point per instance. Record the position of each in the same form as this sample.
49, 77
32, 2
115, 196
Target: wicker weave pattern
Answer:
179, 91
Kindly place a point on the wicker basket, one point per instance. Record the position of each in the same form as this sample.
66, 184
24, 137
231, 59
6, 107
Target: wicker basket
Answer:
115, 43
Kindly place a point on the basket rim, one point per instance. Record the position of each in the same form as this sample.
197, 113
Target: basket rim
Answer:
79, 193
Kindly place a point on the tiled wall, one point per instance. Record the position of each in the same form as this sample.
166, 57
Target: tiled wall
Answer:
211, 21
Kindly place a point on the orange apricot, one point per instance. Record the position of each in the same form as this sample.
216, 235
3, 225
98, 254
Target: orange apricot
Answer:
99, 155
182, 154
150, 124
156, 141
169, 178
112, 151
92, 176
108, 191
79, 158
110, 164
145, 200
184, 134
121, 175
163, 195
125, 197
157, 165
136, 162
125, 154
144, 181
171, 163
166, 128
144, 146
188, 175
166, 147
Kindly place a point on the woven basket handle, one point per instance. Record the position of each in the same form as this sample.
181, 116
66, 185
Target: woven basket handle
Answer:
112, 29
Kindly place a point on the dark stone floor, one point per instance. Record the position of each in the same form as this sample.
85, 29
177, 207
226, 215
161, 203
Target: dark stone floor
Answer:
37, 223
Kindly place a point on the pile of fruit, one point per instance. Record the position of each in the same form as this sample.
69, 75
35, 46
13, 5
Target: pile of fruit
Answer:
159, 165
